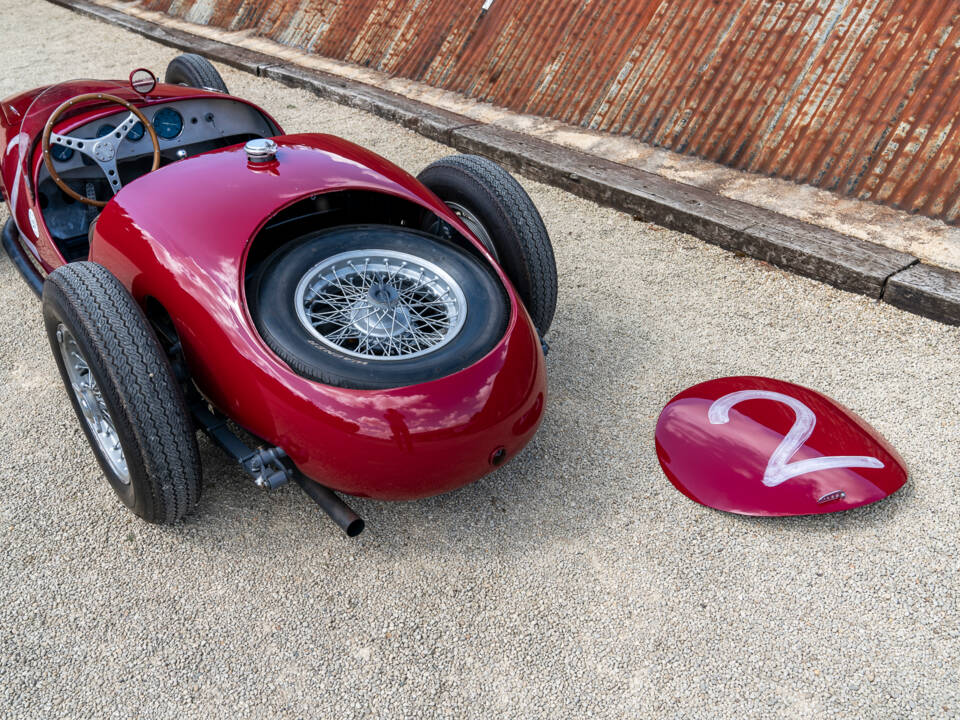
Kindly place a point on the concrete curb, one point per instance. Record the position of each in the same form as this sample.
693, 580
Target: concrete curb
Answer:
926, 290
839, 260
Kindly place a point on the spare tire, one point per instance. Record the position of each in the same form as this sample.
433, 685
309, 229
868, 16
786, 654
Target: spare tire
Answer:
377, 306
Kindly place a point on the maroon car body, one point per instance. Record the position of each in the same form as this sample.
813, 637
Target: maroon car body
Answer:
180, 236
762, 446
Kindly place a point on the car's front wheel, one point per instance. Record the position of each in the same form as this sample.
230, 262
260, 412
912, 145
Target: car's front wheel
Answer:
195, 71
123, 390
377, 306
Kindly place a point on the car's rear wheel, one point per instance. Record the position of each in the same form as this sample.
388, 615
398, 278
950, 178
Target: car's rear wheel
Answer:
194, 71
497, 210
123, 390
376, 306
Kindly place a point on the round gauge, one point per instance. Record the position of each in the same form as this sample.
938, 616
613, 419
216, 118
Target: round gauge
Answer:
168, 123
136, 132
105, 130
60, 153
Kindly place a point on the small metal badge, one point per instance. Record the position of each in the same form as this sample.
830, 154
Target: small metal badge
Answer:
831, 496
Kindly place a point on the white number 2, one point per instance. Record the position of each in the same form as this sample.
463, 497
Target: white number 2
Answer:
779, 468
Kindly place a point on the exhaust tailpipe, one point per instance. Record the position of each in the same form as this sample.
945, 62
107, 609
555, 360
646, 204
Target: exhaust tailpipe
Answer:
351, 523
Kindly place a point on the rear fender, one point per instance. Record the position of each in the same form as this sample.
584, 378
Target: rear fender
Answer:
171, 237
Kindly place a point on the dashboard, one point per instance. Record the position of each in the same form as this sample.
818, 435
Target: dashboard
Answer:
193, 125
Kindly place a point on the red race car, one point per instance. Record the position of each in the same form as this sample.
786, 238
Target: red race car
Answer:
322, 315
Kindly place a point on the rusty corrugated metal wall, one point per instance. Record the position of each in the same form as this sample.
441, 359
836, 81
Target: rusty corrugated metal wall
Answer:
856, 96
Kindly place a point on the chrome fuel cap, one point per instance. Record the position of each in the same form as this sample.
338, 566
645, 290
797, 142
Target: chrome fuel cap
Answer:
261, 150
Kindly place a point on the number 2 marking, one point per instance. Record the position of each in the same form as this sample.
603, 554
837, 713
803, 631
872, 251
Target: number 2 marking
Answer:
779, 468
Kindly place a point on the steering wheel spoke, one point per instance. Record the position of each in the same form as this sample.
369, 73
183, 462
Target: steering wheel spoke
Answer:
83, 145
125, 127
112, 174
103, 150
103, 146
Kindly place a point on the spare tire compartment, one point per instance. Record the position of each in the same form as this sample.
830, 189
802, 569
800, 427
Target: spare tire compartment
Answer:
368, 291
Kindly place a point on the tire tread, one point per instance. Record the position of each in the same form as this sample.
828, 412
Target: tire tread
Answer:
196, 70
539, 268
141, 381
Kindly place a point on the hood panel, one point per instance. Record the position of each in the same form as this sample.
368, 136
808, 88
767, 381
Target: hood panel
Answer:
759, 446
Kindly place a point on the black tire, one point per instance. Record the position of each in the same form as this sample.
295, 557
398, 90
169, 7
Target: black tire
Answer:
137, 387
507, 213
273, 308
194, 71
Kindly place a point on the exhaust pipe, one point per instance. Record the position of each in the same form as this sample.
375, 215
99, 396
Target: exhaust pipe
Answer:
351, 523
270, 467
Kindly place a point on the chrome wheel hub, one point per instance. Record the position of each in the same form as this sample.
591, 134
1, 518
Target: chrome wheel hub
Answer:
92, 405
380, 304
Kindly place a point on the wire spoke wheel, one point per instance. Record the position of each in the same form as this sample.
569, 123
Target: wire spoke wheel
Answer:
376, 306
95, 413
380, 304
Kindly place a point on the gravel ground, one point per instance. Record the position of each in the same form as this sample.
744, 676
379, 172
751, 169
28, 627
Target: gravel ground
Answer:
575, 582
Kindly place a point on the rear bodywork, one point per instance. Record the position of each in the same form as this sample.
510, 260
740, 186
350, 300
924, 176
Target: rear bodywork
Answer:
180, 238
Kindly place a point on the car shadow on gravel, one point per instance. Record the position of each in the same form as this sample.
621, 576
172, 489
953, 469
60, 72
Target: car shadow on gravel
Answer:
555, 487
876, 515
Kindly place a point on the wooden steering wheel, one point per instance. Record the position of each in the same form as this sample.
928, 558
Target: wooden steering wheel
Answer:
103, 151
